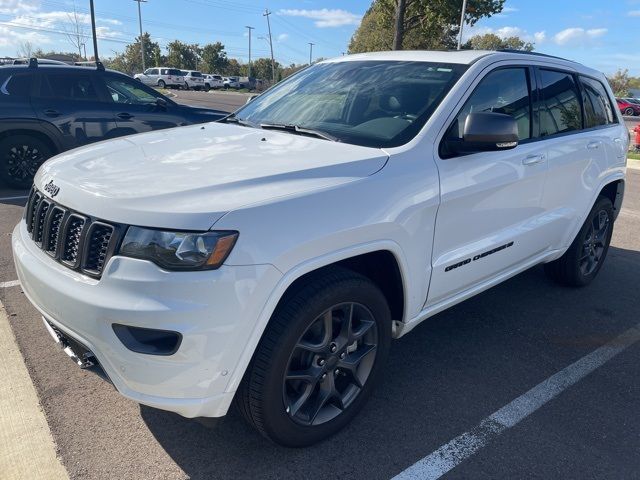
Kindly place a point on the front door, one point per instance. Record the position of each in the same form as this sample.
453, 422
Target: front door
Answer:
490, 201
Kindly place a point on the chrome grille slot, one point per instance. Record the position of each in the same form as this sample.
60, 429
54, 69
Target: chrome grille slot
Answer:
32, 206
38, 221
71, 240
52, 232
97, 247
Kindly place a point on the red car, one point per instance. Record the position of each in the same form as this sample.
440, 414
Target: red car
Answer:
628, 108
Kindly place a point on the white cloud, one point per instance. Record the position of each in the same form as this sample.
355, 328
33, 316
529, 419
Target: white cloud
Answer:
325, 17
633, 13
540, 37
509, 9
12, 7
577, 35
283, 37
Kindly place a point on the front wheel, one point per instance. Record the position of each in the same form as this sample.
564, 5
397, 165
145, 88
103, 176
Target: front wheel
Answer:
186, 86
161, 84
628, 111
20, 158
207, 87
318, 360
583, 260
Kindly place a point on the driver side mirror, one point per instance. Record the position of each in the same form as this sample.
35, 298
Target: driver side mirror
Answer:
161, 102
486, 132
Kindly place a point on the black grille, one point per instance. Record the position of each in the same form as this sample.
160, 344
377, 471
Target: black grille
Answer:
77, 241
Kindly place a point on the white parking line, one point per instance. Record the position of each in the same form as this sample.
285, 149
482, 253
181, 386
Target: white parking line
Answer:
20, 197
12, 283
451, 454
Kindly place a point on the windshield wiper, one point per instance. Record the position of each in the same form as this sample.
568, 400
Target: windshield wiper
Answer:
233, 119
299, 129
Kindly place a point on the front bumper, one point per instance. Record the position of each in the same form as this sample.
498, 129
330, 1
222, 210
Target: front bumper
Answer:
214, 311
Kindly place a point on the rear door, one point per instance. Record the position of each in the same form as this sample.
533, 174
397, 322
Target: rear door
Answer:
71, 101
487, 221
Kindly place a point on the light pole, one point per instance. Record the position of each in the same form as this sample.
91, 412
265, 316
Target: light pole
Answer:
310, 52
93, 31
273, 63
141, 38
464, 11
249, 28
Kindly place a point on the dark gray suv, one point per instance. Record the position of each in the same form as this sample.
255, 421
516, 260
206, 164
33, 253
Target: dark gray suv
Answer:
47, 109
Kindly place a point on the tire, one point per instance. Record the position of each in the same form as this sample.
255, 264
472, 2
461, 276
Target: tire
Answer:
207, 87
300, 318
629, 111
161, 84
583, 260
20, 158
186, 86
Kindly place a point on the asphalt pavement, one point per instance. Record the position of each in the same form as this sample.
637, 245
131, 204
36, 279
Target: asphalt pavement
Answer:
227, 101
442, 380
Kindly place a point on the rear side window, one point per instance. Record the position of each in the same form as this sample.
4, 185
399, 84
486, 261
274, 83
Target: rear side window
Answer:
67, 86
597, 106
502, 91
164, 71
16, 85
173, 71
560, 109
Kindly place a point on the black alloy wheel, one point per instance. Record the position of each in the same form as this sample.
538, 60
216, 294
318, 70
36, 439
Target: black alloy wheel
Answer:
595, 242
330, 364
22, 155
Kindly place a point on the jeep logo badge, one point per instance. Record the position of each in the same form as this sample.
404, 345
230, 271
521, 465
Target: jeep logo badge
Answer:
51, 188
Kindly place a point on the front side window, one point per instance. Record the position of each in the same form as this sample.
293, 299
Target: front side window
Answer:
560, 110
502, 91
70, 86
597, 106
368, 102
16, 85
125, 91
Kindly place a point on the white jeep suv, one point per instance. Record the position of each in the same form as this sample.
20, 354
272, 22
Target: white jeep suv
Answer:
161, 77
271, 258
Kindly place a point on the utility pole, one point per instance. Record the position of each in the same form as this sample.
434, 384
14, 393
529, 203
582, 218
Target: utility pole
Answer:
464, 11
141, 37
310, 52
273, 62
249, 28
93, 31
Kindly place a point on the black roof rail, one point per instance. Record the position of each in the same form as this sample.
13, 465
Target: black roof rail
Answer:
33, 62
525, 52
97, 64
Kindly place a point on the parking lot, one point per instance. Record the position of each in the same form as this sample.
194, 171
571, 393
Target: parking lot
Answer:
442, 381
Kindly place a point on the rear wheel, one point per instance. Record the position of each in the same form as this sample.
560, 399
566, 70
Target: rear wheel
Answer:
186, 86
582, 261
161, 84
207, 87
318, 360
21, 157
628, 111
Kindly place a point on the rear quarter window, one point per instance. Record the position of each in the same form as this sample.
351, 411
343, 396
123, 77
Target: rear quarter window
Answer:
16, 84
560, 109
598, 109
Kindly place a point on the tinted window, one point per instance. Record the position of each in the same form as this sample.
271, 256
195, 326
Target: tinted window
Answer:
67, 86
560, 110
17, 85
196, 74
164, 71
501, 91
597, 106
173, 71
123, 90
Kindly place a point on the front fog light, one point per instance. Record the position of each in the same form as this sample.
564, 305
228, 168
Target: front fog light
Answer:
179, 250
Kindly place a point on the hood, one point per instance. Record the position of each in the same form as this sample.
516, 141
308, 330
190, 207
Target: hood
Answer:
189, 177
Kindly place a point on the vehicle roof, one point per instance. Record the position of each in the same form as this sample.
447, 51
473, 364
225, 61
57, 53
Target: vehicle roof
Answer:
55, 67
462, 57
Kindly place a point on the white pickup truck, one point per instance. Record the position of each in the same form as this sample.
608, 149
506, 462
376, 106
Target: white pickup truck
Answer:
269, 259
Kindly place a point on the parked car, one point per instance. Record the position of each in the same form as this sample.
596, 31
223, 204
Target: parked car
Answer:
162, 77
270, 258
192, 79
632, 100
232, 82
47, 109
212, 81
628, 108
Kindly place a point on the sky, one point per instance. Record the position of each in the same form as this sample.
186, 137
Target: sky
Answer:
597, 33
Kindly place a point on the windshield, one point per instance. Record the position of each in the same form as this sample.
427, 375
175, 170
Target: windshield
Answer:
370, 103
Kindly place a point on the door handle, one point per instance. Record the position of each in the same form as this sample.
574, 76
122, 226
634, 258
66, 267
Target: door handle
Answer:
534, 159
594, 145
124, 116
51, 113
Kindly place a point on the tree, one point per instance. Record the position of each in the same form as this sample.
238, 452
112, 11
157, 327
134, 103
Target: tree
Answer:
214, 58
25, 49
291, 69
491, 41
416, 24
76, 34
130, 61
620, 83
182, 55
261, 68
233, 68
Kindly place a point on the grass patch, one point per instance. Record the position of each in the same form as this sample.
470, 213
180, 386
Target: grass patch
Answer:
633, 156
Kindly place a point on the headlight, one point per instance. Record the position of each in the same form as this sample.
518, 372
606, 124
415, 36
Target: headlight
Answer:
178, 250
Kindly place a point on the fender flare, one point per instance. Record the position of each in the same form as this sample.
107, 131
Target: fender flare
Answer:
294, 274
43, 128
